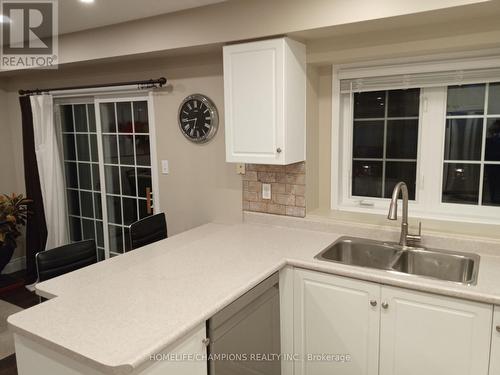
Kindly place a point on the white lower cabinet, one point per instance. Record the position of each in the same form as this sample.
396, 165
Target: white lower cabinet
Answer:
433, 335
385, 330
495, 343
333, 316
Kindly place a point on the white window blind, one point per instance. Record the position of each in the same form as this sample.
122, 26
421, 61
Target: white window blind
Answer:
414, 80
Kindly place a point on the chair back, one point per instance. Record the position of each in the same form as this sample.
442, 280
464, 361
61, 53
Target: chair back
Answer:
64, 259
148, 230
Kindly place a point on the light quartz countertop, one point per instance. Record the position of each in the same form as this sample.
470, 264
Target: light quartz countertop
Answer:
115, 314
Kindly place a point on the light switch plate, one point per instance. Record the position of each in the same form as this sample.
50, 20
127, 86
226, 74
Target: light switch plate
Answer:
266, 191
164, 167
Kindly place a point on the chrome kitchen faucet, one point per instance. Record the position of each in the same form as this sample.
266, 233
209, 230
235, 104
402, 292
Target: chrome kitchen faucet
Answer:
393, 215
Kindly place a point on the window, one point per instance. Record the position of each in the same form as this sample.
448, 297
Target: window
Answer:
385, 142
472, 145
442, 139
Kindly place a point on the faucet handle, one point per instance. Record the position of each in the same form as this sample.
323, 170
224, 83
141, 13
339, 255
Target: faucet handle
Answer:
416, 238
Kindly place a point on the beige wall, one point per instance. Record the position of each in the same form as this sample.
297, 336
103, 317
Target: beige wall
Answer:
201, 187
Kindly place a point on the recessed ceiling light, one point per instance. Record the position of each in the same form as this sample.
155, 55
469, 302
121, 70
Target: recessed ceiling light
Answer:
87, 1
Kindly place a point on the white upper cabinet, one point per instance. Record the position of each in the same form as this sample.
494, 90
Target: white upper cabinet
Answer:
265, 101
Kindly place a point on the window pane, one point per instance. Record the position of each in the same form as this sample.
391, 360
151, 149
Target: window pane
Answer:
112, 179
492, 151
71, 174
114, 210
143, 181
367, 178
73, 202
396, 171
369, 104
463, 139
80, 118
402, 139
100, 235
141, 120
87, 204
466, 100
128, 181
124, 116
98, 206
110, 149
93, 147
88, 229
67, 118
91, 117
75, 229
69, 147
126, 149
108, 123
115, 239
129, 210
82, 144
142, 150
85, 176
403, 103
461, 183
96, 179
491, 185
494, 99
128, 243
143, 211
368, 139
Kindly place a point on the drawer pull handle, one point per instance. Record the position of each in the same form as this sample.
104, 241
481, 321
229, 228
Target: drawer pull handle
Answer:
206, 341
278, 150
498, 328
373, 303
385, 305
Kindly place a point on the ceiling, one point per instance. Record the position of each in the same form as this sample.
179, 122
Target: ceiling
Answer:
75, 15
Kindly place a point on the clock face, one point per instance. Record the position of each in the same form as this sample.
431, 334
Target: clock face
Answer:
198, 119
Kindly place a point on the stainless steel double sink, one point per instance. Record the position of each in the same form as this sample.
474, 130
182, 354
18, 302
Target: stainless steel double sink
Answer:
446, 265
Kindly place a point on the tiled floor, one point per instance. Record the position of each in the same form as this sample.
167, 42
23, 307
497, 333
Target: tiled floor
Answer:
21, 297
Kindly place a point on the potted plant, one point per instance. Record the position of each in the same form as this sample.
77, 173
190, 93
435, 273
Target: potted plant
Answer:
13, 215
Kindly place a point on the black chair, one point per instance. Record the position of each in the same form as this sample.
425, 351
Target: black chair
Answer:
148, 230
64, 259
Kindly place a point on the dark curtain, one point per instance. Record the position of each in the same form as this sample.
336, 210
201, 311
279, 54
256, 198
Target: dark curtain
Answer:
36, 228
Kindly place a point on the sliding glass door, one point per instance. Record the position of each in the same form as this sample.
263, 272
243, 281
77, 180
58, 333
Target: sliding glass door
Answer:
108, 146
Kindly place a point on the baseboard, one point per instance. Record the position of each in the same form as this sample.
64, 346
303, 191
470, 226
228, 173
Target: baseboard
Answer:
16, 264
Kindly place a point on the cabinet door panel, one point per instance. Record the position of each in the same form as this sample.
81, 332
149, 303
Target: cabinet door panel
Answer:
333, 315
433, 335
495, 343
253, 85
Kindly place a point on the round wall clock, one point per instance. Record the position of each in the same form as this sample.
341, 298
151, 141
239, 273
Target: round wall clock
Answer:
198, 118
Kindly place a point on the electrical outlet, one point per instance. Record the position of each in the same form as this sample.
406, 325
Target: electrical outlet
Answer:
240, 168
266, 191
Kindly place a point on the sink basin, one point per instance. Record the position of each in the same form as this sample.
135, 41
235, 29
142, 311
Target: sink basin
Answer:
439, 264
457, 267
360, 252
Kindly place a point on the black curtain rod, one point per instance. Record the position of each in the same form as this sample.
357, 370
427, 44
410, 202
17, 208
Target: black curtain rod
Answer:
141, 84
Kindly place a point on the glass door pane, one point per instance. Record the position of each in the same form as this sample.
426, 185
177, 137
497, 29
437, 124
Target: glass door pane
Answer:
126, 161
81, 169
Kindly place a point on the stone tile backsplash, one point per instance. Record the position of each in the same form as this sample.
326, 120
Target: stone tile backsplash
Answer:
288, 189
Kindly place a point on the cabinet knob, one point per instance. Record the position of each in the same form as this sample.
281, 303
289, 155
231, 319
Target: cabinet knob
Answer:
385, 305
373, 303
498, 328
206, 341
278, 150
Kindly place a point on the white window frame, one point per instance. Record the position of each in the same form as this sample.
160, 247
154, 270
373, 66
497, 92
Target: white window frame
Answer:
430, 154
